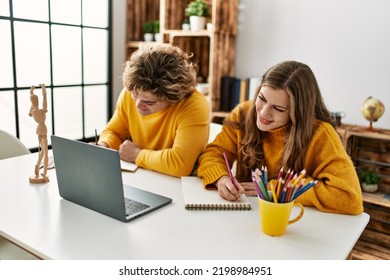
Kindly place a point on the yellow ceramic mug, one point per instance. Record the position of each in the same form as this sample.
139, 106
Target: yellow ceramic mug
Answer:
274, 217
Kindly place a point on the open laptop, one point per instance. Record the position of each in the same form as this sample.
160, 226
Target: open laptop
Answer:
91, 176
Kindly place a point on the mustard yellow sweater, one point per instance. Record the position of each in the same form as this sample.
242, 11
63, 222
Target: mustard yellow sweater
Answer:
338, 190
171, 140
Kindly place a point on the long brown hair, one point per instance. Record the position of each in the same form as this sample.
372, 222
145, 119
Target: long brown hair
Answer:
306, 107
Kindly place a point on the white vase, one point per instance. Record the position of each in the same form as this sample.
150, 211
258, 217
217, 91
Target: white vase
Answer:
197, 23
158, 37
370, 187
185, 26
148, 37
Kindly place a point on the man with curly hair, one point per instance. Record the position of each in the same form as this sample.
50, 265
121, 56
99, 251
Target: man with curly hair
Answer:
161, 122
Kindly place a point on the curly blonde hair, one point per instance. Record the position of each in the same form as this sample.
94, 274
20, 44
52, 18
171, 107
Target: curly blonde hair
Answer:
163, 70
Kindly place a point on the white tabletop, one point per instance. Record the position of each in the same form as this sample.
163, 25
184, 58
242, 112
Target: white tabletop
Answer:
36, 218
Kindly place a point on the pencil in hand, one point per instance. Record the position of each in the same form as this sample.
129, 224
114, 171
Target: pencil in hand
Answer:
96, 137
230, 171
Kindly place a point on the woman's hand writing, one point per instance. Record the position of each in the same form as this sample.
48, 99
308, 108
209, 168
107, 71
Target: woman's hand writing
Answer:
227, 190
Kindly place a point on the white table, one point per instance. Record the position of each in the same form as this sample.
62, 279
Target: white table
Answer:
36, 218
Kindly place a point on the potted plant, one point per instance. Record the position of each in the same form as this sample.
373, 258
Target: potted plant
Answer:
370, 181
148, 31
156, 31
197, 11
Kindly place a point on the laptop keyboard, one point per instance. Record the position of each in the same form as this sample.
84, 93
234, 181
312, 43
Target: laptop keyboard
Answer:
133, 206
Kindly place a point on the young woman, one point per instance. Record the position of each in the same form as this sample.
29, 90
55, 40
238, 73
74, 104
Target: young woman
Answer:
287, 125
159, 112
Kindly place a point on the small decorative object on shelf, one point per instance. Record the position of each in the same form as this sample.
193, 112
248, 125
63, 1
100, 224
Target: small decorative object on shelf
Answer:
370, 181
210, 26
197, 11
186, 24
148, 31
335, 117
156, 31
39, 115
372, 109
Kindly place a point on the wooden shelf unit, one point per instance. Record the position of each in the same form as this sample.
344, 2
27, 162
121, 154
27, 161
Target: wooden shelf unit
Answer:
213, 51
139, 12
370, 150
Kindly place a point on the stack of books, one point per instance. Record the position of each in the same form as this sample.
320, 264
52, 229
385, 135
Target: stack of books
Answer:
235, 91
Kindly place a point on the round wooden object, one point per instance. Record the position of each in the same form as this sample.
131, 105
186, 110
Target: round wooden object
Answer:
38, 179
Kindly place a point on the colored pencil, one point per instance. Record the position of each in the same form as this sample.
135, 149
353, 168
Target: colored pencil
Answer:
300, 177
230, 171
279, 182
259, 192
287, 188
274, 193
261, 184
305, 188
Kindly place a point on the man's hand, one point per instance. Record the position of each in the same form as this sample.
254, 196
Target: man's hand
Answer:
129, 151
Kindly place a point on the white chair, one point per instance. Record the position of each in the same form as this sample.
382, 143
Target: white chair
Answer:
10, 146
215, 129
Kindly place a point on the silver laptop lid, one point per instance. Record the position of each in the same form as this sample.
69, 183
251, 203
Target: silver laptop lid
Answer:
91, 176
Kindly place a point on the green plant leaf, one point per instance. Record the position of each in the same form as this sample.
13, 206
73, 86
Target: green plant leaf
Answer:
370, 177
148, 27
197, 8
156, 26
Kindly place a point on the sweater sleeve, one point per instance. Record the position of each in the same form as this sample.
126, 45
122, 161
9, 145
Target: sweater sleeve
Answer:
190, 126
212, 164
117, 129
338, 189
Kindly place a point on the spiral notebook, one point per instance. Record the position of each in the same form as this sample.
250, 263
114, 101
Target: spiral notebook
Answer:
196, 197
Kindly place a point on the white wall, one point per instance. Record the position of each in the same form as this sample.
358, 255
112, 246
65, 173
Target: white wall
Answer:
345, 42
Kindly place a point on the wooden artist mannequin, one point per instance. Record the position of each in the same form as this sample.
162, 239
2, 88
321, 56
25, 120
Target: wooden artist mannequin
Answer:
39, 116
